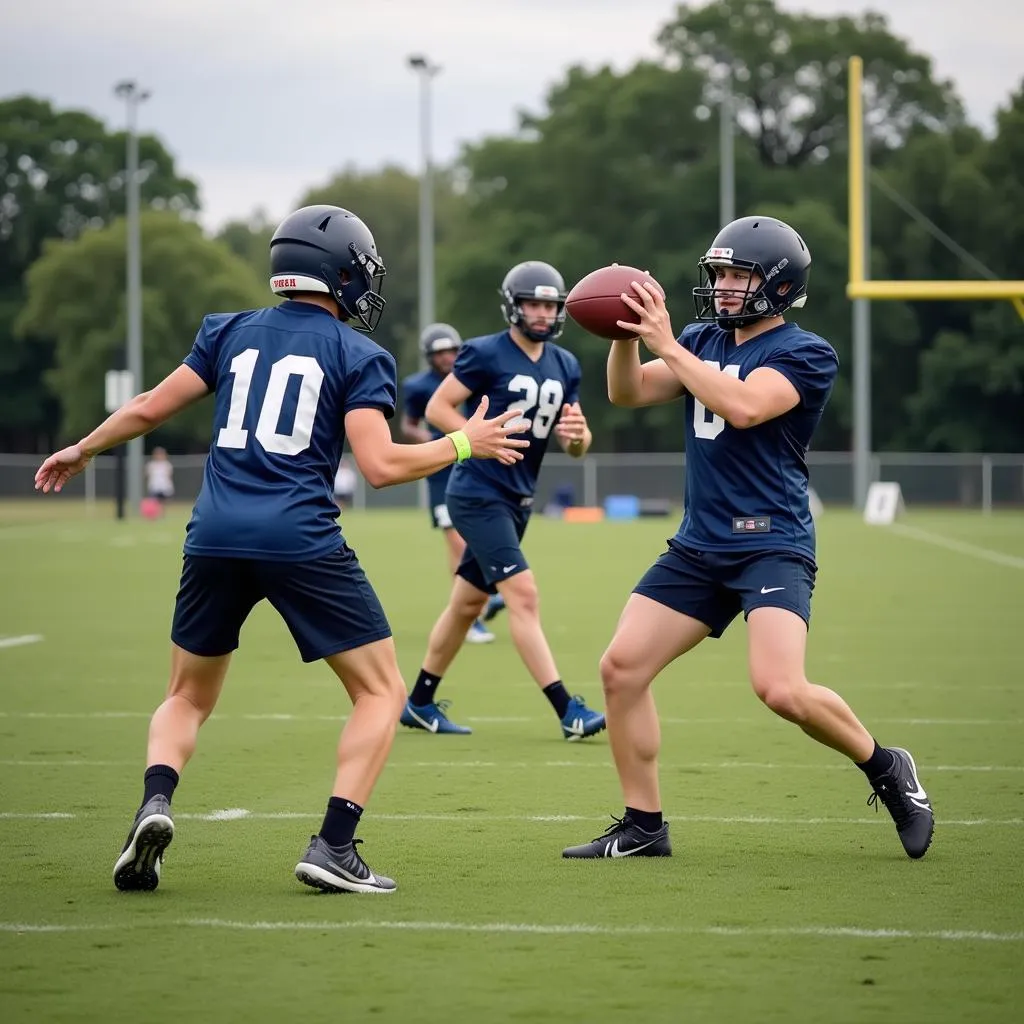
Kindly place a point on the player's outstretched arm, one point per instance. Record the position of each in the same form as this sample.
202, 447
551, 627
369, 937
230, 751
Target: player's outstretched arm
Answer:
632, 384
139, 416
384, 463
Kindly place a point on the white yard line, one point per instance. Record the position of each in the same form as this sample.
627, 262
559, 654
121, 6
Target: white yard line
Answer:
20, 641
534, 928
959, 546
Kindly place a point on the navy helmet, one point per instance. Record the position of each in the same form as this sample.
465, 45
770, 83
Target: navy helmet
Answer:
769, 249
330, 250
533, 280
439, 338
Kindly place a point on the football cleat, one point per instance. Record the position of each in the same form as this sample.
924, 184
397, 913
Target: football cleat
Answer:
479, 634
339, 869
495, 604
624, 838
904, 798
137, 869
580, 721
432, 718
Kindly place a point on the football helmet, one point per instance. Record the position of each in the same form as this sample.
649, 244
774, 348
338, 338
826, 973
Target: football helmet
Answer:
439, 338
533, 280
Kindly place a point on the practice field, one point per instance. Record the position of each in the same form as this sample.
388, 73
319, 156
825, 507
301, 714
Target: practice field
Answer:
787, 899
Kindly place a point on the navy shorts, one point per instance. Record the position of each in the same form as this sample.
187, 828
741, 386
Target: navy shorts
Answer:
492, 530
440, 518
327, 604
714, 587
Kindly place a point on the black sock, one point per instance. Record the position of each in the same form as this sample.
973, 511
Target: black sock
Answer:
423, 691
879, 763
159, 780
559, 697
649, 821
340, 821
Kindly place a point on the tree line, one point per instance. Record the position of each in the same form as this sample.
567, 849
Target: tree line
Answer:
617, 167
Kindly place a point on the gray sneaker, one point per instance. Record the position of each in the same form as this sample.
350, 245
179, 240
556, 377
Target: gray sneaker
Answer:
339, 869
138, 867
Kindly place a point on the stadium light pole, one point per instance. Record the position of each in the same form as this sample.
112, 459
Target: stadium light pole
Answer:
426, 72
129, 91
726, 150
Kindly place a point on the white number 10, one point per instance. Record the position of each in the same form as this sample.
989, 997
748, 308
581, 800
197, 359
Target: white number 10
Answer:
242, 366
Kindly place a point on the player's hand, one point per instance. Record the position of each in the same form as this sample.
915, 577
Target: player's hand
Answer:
572, 424
653, 326
490, 439
60, 467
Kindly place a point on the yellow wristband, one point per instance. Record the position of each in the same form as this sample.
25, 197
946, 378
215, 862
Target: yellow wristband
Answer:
463, 449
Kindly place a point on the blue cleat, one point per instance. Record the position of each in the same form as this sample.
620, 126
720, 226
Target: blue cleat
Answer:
479, 634
432, 718
495, 604
580, 721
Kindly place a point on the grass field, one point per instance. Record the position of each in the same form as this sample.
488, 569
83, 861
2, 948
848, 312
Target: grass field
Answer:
787, 898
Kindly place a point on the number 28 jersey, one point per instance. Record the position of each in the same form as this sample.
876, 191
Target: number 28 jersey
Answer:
283, 379
497, 367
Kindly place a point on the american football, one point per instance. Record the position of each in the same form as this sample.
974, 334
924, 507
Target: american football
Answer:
595, 302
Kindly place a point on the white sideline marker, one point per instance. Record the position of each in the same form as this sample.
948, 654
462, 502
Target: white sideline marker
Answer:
20, 641
883, 504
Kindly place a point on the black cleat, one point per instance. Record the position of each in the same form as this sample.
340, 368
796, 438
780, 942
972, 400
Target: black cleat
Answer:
138, 867
339, 869
624, 838
905, 799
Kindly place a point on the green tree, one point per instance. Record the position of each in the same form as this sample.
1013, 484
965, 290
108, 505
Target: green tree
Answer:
789, 71
75, 295
61, 172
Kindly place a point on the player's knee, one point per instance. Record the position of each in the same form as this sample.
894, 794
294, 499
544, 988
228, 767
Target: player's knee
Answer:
469, 607
782, 695
618, 674
521, 596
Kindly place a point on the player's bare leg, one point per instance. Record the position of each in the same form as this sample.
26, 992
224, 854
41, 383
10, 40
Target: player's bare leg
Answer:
777, 641
372, 680
649, 636
192, 693
522, 599
777, 648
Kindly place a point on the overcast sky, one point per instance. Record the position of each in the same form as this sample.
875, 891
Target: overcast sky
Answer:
260, 99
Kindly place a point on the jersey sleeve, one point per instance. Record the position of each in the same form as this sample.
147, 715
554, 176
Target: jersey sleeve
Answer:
202, 360
688, 337
811, 368
472, 369
414, 398
373, 384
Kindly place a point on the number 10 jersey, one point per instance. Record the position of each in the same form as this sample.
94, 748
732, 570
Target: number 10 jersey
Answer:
283, 378
497, 367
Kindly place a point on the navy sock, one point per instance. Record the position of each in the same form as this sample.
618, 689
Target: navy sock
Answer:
879, 763
649, 821
340, 821
559, 697
425, 688
159, 780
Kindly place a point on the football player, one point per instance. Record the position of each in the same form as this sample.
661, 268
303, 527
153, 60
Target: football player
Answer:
439, 344
291, 384
755, 388
523, 370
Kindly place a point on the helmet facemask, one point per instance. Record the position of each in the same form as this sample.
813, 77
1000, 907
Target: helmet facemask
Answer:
515, 316
358, 294
773, 295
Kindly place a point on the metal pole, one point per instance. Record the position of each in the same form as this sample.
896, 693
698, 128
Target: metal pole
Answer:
426, 72
727, 155
130, 93
860, 269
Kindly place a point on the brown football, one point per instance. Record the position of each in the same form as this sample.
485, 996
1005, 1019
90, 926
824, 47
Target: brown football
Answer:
595, 302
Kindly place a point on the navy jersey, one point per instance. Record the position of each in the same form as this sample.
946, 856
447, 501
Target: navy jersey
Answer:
284, 378
747, 489
417, 390
497, 367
